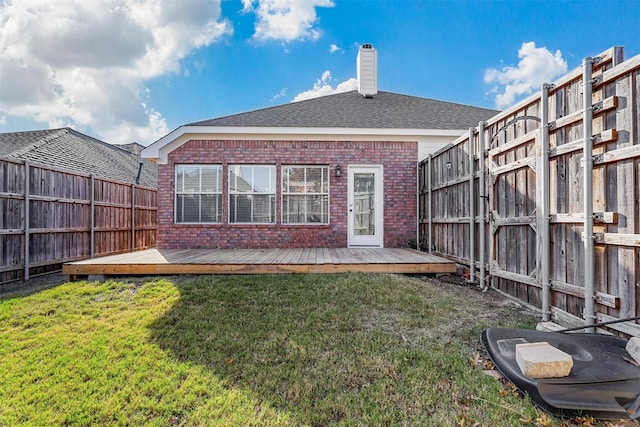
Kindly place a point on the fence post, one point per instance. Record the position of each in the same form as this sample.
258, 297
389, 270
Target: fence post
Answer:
490, 202
481, 202
133, 217
589, 268
418, 204
27, 224
472, 210
429, 202
92, 216
543, 258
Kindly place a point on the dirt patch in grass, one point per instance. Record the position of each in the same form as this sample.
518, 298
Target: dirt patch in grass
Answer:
462, 304
473, 292
490, 297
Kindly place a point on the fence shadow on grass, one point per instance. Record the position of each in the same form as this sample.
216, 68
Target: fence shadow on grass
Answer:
273, 336
21, 288
326, 348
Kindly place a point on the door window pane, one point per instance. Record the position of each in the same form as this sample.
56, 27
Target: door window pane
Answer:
364, 204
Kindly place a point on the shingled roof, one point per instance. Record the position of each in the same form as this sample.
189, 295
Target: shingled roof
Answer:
385, 110
68, 149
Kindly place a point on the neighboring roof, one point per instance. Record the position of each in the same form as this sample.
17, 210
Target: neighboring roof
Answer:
68, 149
133, 147
385, 110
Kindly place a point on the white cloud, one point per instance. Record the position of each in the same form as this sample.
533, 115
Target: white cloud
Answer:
537, 66
322, 87
285, 20
334, 48
84, 64
280, 94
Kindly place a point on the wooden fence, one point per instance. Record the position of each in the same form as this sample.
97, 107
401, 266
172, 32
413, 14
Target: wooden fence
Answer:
52, 216
515, 197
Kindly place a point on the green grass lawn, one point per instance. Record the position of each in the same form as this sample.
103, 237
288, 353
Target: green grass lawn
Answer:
347, 349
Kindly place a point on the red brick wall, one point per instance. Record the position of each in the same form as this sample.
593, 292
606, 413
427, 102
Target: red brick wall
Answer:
399, 160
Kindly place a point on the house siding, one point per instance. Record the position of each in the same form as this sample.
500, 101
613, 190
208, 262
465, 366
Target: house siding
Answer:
398, 158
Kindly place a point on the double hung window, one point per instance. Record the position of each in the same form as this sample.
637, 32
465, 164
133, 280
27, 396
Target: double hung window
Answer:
305, 194
198, 194
252, 194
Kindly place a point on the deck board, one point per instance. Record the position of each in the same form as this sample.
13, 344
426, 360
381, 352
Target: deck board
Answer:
261, 261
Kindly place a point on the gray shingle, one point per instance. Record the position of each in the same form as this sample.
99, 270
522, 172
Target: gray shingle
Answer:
386, 110
68, 149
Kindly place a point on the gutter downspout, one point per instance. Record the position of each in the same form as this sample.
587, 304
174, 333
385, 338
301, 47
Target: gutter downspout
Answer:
139, 172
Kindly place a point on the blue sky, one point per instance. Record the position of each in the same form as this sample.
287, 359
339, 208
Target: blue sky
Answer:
125, 70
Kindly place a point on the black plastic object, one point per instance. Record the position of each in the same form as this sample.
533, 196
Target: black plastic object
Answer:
601, 384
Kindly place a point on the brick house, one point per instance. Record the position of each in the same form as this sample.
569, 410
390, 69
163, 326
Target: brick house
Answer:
334, 171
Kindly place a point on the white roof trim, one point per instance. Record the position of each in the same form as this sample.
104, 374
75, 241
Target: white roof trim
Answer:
160, 149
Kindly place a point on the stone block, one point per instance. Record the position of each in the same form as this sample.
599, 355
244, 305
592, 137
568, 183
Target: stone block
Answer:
541, 360
633, 348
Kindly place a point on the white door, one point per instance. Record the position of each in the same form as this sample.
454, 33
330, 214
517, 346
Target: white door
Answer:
365, 206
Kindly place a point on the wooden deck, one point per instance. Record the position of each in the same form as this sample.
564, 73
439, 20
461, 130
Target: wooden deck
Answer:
261, 261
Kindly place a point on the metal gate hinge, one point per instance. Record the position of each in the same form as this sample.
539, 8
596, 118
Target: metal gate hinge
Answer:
597, 80
596, 107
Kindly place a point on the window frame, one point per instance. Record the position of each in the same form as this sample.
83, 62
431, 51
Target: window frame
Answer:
325, 172
200, 193
271, 199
